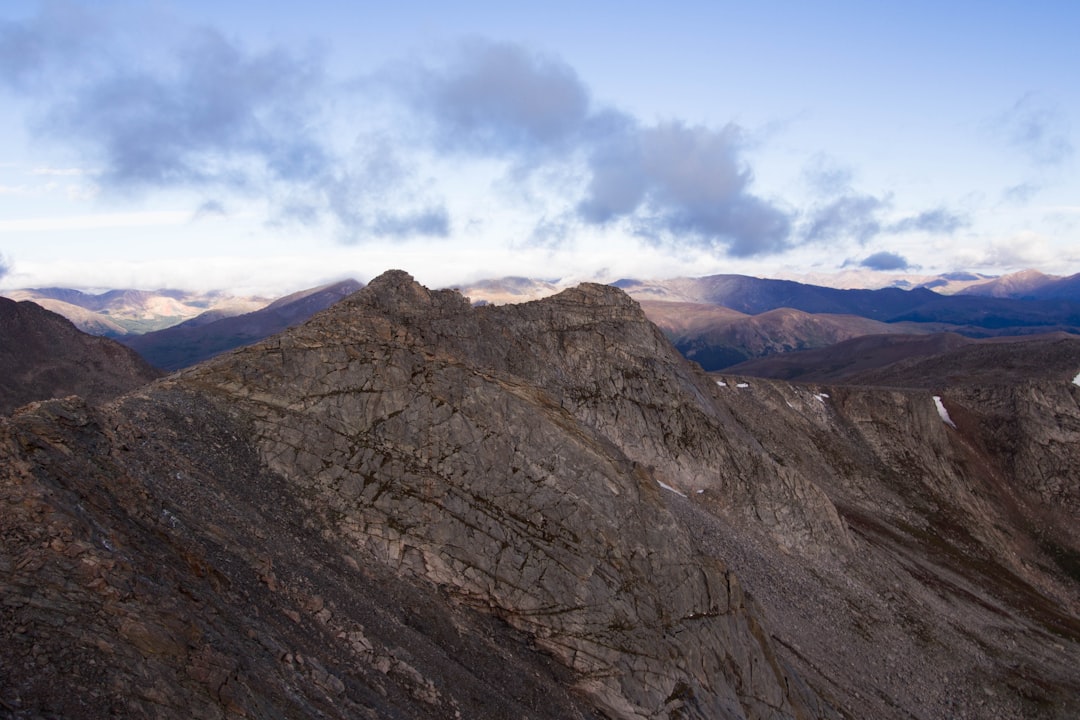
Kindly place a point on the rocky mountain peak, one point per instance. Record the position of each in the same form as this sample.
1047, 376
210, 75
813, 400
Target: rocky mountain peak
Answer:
409, 507
397, 294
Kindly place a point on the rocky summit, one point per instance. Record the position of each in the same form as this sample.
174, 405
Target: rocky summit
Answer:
409, 507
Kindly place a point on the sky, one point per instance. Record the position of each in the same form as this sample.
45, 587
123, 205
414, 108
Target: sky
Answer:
272, 146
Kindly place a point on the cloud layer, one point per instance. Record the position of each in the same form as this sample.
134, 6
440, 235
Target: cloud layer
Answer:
670, 181
214, 117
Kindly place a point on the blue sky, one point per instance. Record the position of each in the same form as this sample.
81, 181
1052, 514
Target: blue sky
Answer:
272, 146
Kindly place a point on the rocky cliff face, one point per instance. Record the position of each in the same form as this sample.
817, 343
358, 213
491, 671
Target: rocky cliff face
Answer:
409, 507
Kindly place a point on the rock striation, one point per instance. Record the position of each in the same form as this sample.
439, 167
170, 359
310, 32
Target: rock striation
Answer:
412, 507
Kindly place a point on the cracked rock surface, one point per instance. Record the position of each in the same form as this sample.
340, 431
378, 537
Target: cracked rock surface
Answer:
410, 507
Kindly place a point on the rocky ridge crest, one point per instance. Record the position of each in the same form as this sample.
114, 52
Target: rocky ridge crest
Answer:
409, 507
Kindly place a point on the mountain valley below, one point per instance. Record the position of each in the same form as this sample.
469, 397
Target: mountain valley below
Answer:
396, 502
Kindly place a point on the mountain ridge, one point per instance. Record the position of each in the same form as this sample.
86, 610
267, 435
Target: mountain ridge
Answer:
554, 479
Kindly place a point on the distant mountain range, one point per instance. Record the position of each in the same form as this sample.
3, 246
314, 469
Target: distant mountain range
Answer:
722, 320
718, 320
116, 313
209, 334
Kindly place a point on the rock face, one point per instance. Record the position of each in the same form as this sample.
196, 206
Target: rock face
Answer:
42, 356
410, 507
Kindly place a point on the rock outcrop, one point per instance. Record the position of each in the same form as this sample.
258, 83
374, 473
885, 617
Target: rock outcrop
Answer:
411, 507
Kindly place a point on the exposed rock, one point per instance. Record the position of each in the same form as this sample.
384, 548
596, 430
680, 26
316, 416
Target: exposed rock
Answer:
409, 507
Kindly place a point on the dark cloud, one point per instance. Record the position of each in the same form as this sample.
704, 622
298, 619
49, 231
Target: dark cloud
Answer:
885, 261
683, 182
5, 267
671, 181
218, 116
853, 216
211, 115
938, 220
498, 97
1038, 128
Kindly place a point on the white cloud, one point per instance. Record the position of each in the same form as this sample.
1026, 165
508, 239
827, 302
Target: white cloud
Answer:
96, 222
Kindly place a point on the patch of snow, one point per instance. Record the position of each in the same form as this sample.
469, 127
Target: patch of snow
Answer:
700, 492
822, 396
721, 383
943, 412
743, 385
668, 487
1076, 380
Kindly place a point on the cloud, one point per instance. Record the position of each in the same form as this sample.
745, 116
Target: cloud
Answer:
852, 216
5, 267
1038, 128
429, 222
1021, 193
826, 177
218, 116
209, 208
885, 261
938, 220
30, 51
210, 115
858, 217
672, 182
498, 97
682, 182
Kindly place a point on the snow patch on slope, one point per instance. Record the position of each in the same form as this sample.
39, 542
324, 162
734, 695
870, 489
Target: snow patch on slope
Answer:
943, 412
668, 487
1076, 380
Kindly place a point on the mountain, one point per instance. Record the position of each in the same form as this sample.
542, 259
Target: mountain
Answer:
844, 361
207, 335
1029, 285
922, 361
42, 356
116, 313
785, 315
756, 295
507, 290
408, 506
717, 337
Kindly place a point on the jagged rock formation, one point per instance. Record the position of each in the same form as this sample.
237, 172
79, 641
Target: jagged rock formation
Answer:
42, 356
409, 507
